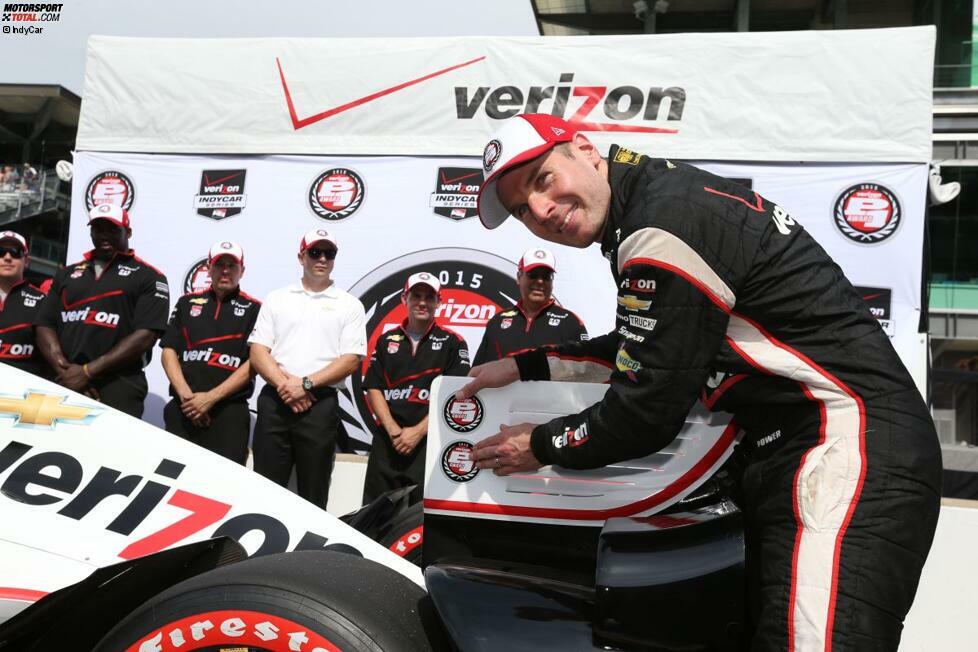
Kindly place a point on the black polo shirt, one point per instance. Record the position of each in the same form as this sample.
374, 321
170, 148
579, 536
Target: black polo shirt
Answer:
404, 371
92, 313
512, 330
210, 336
17, 313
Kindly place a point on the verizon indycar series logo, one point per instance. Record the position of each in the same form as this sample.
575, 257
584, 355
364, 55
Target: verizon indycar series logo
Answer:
456, 192
110, 187
457, 462
867, 213
336, 194
590, 104
880, 303
464, 415
197, 278
221, 193
475, 286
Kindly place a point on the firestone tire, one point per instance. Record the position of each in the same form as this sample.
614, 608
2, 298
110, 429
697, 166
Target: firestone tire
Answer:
318, 601
406, 534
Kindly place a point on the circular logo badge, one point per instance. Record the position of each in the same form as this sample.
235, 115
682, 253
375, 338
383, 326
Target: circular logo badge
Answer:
463, 415
475, 286
336, 194
491, 155
867, 213
457, 462
198, 277
110, 187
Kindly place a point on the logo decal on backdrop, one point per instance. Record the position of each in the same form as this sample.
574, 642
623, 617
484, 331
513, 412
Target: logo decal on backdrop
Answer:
880, 302
110, 187
221, 193
475, 286
457, 462
491, 154
456, 191
198, 278
336, 194
867, 213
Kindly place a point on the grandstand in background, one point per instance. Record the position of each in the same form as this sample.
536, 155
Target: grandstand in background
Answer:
38, 124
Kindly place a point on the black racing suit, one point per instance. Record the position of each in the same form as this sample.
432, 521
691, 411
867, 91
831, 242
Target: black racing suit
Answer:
210, 337
404, 371
513, 330
841, 466
91, 313
17, 345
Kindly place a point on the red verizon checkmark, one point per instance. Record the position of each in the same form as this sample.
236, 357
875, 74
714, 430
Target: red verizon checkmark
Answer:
299, 123
208, 182
464, 176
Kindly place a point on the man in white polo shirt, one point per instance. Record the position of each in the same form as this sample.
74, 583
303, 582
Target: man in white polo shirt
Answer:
309, 337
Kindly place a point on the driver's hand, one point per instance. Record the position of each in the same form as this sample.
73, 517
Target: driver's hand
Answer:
492, 374
508, 451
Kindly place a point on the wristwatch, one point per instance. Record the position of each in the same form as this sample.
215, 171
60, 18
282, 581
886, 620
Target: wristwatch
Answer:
307, 383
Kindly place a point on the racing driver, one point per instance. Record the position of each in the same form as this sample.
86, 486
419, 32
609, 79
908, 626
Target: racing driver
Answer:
841, 466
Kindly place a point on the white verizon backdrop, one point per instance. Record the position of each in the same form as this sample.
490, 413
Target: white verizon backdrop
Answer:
398, 134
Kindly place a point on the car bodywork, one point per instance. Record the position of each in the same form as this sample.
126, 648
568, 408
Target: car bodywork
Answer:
559, 554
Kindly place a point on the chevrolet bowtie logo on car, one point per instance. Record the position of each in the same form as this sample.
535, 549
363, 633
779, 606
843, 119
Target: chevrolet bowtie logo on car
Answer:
41, 410
631, 302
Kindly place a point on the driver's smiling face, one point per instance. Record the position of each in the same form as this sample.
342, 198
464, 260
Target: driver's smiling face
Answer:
562, 196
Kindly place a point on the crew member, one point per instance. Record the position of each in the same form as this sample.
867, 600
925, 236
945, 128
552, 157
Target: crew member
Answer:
205, 356
19, 303
404, 363
842, 467
536, 319
309, 337
98, 323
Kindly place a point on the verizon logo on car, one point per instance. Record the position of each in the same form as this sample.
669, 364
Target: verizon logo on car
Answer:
121, 500
89, 316
577, 103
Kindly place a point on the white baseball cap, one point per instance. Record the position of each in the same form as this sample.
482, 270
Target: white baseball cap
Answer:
226, 248
520, 139
13, 235
537, 257
314, 236
423, 278
116, 214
